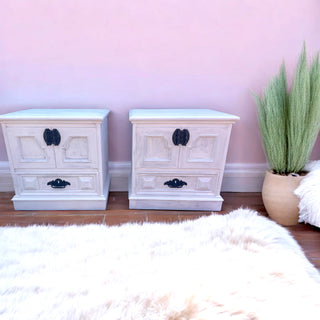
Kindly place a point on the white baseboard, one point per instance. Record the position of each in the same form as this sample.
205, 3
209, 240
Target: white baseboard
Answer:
238, 177
6, 183
119, 172
243, 177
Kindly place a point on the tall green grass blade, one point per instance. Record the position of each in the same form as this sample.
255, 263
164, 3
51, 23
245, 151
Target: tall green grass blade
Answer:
272, 114
298, 115
289, 123
313, 124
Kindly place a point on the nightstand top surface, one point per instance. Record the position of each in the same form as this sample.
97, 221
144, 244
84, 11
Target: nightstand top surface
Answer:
56, 114
180, 114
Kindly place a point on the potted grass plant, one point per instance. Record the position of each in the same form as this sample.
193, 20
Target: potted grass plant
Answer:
289, 121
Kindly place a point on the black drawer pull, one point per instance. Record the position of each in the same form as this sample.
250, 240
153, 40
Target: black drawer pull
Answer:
51, 137
58, 184
175, 183
180, 137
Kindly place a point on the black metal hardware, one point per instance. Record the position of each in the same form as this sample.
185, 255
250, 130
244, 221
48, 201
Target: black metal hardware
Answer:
175, 183
47, 136
180, 137
56, 137
58, 184
51, 137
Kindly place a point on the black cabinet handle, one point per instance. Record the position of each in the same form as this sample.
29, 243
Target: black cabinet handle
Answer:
58, 184
51, 137
56, 137
180, 137
47, 136
175, 183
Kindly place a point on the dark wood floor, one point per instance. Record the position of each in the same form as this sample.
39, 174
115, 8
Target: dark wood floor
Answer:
118, 213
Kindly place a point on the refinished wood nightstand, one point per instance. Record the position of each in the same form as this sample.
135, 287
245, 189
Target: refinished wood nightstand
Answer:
58, 158
178, 158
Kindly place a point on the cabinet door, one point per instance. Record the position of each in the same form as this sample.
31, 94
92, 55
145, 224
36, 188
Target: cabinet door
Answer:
153, 147
78, 148
207, 147
28, 149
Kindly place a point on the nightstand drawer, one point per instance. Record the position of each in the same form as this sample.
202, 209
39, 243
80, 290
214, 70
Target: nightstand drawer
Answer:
55, 183
149, 183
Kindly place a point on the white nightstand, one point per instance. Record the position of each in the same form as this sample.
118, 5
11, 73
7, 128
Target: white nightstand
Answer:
58, 158
178, 158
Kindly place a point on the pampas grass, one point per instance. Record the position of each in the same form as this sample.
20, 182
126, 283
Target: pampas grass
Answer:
290, 120
272, 110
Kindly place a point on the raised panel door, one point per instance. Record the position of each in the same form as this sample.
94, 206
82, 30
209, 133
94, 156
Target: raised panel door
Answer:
206, 148
153, 147
78, 148
28, 149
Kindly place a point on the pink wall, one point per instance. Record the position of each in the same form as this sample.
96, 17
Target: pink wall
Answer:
123, 54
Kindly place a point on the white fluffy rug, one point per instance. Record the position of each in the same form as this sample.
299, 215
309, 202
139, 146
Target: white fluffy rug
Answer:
308, 193
236, 266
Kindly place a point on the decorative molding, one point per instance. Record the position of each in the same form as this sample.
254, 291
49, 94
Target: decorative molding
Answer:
238, 177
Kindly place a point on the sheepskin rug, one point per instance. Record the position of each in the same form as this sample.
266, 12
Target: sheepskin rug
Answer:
234, 266
308, 193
